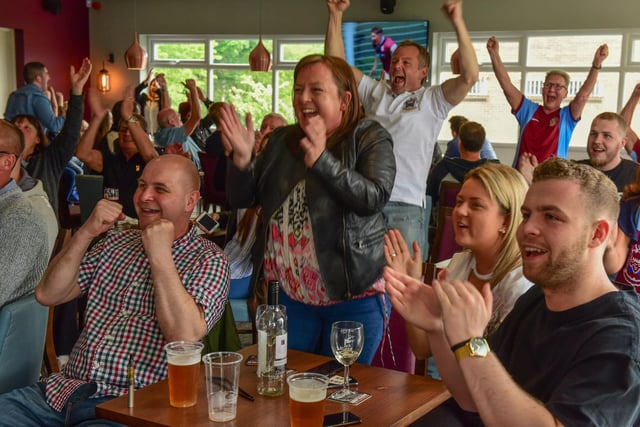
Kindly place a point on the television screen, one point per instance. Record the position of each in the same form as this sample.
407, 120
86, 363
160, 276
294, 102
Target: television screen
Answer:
366, 41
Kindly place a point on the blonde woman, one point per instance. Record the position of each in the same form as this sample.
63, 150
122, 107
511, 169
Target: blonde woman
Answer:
485, 219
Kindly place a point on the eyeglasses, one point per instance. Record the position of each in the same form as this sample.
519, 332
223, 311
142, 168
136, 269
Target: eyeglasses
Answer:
556, 86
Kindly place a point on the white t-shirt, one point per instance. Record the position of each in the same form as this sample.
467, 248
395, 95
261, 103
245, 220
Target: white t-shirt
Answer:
505, 293
414, 120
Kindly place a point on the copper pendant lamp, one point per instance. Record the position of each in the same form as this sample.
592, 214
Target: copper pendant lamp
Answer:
260, 58
135, 57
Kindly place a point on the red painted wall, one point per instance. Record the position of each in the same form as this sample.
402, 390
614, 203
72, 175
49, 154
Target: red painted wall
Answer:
58, 41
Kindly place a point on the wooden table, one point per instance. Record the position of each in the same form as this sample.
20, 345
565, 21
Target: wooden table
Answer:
397, 399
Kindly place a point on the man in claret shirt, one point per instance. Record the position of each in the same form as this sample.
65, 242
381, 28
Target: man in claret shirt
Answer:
144, 288
545, 130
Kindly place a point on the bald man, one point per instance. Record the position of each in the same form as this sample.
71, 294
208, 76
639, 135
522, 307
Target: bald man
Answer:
144, 287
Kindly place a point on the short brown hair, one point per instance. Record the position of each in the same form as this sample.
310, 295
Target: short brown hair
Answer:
611, 116
32, 70
424, 57
472, 136
560, 73
600, 192
456, 122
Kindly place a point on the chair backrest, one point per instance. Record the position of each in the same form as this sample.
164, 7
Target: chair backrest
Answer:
213, 185
23, 324
448, 193
90, 190
444, 245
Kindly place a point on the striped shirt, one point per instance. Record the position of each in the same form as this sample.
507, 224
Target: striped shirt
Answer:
121, 318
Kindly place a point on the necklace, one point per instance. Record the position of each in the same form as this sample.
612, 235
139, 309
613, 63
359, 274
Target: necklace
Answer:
481, 276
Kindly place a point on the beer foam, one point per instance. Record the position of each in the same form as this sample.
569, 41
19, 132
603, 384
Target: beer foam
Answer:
307, 391
184, 359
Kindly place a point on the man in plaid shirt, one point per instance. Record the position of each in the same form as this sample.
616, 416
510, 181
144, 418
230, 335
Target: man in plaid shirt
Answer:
144, 288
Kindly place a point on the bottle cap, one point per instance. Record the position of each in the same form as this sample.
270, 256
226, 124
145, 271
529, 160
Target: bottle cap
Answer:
274, 289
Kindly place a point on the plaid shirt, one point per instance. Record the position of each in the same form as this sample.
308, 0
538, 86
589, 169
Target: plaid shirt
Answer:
121, 316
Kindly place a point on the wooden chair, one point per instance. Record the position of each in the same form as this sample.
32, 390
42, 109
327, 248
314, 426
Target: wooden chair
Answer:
448, 193
213, 182
444, 244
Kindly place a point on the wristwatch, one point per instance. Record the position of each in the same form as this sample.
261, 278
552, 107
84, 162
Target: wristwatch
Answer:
474, 347
132, 119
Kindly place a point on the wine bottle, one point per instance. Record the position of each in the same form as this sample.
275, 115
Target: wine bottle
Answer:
272, 344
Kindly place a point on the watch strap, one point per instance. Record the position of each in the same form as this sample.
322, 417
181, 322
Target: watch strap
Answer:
459, 345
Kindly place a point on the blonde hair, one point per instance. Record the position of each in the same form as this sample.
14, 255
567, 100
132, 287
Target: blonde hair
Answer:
507, 187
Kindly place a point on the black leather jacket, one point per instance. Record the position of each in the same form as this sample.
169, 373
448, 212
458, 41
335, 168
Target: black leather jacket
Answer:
346, 190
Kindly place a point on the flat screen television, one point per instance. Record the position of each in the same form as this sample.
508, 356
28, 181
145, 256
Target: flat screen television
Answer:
358, 43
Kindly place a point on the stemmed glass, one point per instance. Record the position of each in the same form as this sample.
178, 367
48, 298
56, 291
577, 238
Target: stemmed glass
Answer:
347, 339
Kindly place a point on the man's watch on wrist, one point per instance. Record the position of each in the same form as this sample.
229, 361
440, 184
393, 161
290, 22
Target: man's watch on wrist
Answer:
474, 347
132, 119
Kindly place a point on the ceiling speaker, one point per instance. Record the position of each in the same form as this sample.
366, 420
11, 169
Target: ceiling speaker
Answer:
386, 6
53, 6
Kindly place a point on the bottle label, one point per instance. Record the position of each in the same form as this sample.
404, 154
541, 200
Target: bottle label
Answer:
281, 350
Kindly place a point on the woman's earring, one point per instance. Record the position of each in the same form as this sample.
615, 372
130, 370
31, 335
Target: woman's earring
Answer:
502, 231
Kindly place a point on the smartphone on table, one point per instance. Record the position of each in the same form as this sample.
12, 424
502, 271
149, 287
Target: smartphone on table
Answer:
340, 419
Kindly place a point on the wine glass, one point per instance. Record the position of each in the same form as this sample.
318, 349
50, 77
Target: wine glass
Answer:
347, 339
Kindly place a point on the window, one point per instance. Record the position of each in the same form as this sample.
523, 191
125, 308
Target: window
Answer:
220, 66
527, 57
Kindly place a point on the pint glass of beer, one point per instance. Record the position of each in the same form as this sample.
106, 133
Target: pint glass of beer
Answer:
307, 391
183, 358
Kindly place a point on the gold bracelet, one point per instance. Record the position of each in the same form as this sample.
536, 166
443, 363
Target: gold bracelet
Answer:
595, 68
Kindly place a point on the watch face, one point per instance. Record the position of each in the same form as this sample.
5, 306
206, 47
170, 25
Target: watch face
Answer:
479, 347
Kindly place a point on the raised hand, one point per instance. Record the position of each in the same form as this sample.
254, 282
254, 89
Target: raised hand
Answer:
493, 46
338, 5
157, 239
398, 257
601, 54
315, 140
128, 103
79, 79
416, 302
236, 138
104, 216
453, 10
526, 164
97, 103
160, 81
465, 310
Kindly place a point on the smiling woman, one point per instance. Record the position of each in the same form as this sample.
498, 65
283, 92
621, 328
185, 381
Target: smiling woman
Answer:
486, 217
322, 184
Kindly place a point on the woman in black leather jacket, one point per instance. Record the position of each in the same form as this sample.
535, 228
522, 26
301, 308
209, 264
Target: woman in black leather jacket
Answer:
322, 184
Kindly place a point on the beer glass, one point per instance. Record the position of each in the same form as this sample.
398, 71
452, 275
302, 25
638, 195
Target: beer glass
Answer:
183, 358
307, 392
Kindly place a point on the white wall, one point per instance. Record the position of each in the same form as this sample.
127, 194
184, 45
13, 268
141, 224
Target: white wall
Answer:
7, 65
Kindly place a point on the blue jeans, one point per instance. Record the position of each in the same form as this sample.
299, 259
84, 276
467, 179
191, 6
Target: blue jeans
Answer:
28, 406
309, 326
410, 221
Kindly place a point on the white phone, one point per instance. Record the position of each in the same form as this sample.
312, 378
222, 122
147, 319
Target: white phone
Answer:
206, 223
